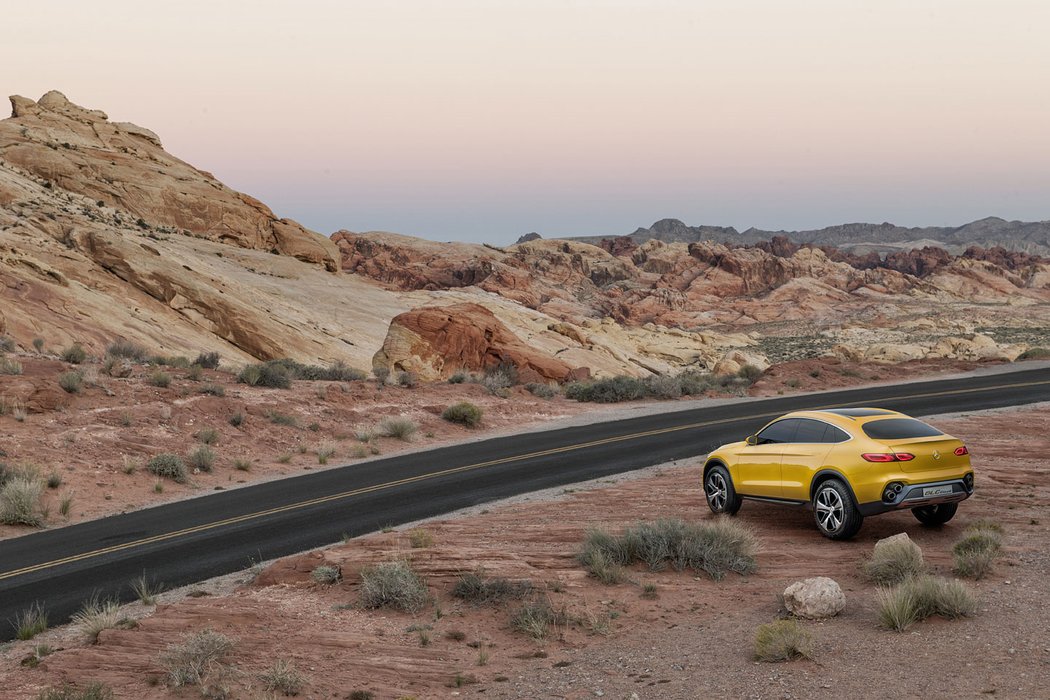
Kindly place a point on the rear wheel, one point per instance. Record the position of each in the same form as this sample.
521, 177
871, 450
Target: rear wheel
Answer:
834, 511
718, 488
937, 514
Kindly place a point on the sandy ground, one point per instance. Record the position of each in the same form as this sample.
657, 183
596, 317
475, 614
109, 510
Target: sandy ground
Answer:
693, 640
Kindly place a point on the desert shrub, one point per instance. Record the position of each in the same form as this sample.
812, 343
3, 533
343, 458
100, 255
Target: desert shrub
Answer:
544, 391
977, 550
893, 562
782, 640
145, 590
611, 390
98, 615
20, 500
919, 597
464, 413
409, 380
536, 617
54, 480
477, 588
601, 566
499, 379
236, 419
160, 379
335, 372
393, 584
662, 386
458, 378
71, 382
30, 622
207, 436
38, 344
8, 366
68, 691
74, 354
400, 427
326, 574
242, 465
750, 373
420, 538
194, 373
207, 360
189, 661
168, 466
127, 350
278, 418
325, 451
362, 695
213, 389
1035, 354
270, 375
714, 548
7, 343
201, 458
382, 374
282, 677
695, 383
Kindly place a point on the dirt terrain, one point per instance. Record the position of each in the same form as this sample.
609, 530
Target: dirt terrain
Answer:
694, 639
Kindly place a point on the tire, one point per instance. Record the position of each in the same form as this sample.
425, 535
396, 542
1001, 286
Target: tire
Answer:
719, 492
834, 511
935, 515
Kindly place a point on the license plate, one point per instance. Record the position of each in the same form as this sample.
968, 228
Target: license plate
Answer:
936, 491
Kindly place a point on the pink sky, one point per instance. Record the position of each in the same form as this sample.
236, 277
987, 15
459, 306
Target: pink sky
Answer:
485, 120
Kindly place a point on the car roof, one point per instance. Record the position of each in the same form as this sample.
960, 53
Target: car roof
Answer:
847, 416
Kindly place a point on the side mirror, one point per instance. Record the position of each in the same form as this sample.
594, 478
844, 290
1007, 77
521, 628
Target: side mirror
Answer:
752, 440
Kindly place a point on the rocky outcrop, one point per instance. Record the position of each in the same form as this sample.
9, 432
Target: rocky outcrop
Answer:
815, 598
124, 166
435, 342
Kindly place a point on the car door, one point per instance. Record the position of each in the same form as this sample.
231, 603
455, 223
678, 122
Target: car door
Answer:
804, 456
758, 469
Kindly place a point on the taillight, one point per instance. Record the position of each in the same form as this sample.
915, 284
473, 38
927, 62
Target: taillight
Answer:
888, 456
960, 451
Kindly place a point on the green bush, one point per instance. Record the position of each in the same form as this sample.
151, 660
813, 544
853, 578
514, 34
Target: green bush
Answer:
12, 367
30, 622
393, 584
920, 597
127, 350
207, 360
611, 390
67, 691
187, 662
20, 500
160, 379
536, 617
477, 588
74, 354
207, 436
326, 574
714, 548
201, 458
893, 562
168, 466
750, 373
213, 389
544, 391
269, 375
7, 343
71, 382
782, 640
1035, 354
464, 413
282, 677
401, 428
975, 553
409, 380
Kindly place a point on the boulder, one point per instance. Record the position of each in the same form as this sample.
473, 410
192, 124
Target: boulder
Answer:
733, 361
815, 598
437, 341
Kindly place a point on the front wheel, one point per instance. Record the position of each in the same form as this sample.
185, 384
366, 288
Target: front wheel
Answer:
937, 514
718, 488
836, 516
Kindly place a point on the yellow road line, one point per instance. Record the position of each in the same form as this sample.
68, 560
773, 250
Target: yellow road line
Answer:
455, 470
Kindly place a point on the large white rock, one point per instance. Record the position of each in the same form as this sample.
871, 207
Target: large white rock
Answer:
815, 598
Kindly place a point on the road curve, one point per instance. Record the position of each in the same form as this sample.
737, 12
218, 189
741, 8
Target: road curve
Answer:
187, 541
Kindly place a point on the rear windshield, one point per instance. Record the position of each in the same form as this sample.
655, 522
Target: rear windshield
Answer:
899, 429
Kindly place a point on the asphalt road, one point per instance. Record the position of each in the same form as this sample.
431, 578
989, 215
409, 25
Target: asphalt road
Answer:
192, 540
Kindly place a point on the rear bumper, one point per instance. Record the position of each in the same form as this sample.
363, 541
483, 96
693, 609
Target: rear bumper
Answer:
914, 496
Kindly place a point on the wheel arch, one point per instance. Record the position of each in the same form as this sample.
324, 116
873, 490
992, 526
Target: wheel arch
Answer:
827, 474
713, 462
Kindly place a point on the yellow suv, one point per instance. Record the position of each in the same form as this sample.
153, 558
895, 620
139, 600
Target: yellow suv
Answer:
845, 464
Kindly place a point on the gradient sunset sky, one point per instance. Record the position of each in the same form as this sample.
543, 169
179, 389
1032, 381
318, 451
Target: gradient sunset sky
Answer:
459, 120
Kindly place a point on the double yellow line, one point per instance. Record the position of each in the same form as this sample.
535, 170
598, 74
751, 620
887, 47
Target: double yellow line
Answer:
455, 470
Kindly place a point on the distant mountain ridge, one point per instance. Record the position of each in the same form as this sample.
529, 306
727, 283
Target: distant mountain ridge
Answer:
1022, 236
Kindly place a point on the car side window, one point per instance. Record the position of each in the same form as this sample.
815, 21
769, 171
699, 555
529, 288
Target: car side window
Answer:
781, 431
810, 431
835, 435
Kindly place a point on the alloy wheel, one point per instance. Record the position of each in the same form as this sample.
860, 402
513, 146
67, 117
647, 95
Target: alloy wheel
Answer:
717, 491
830, 510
